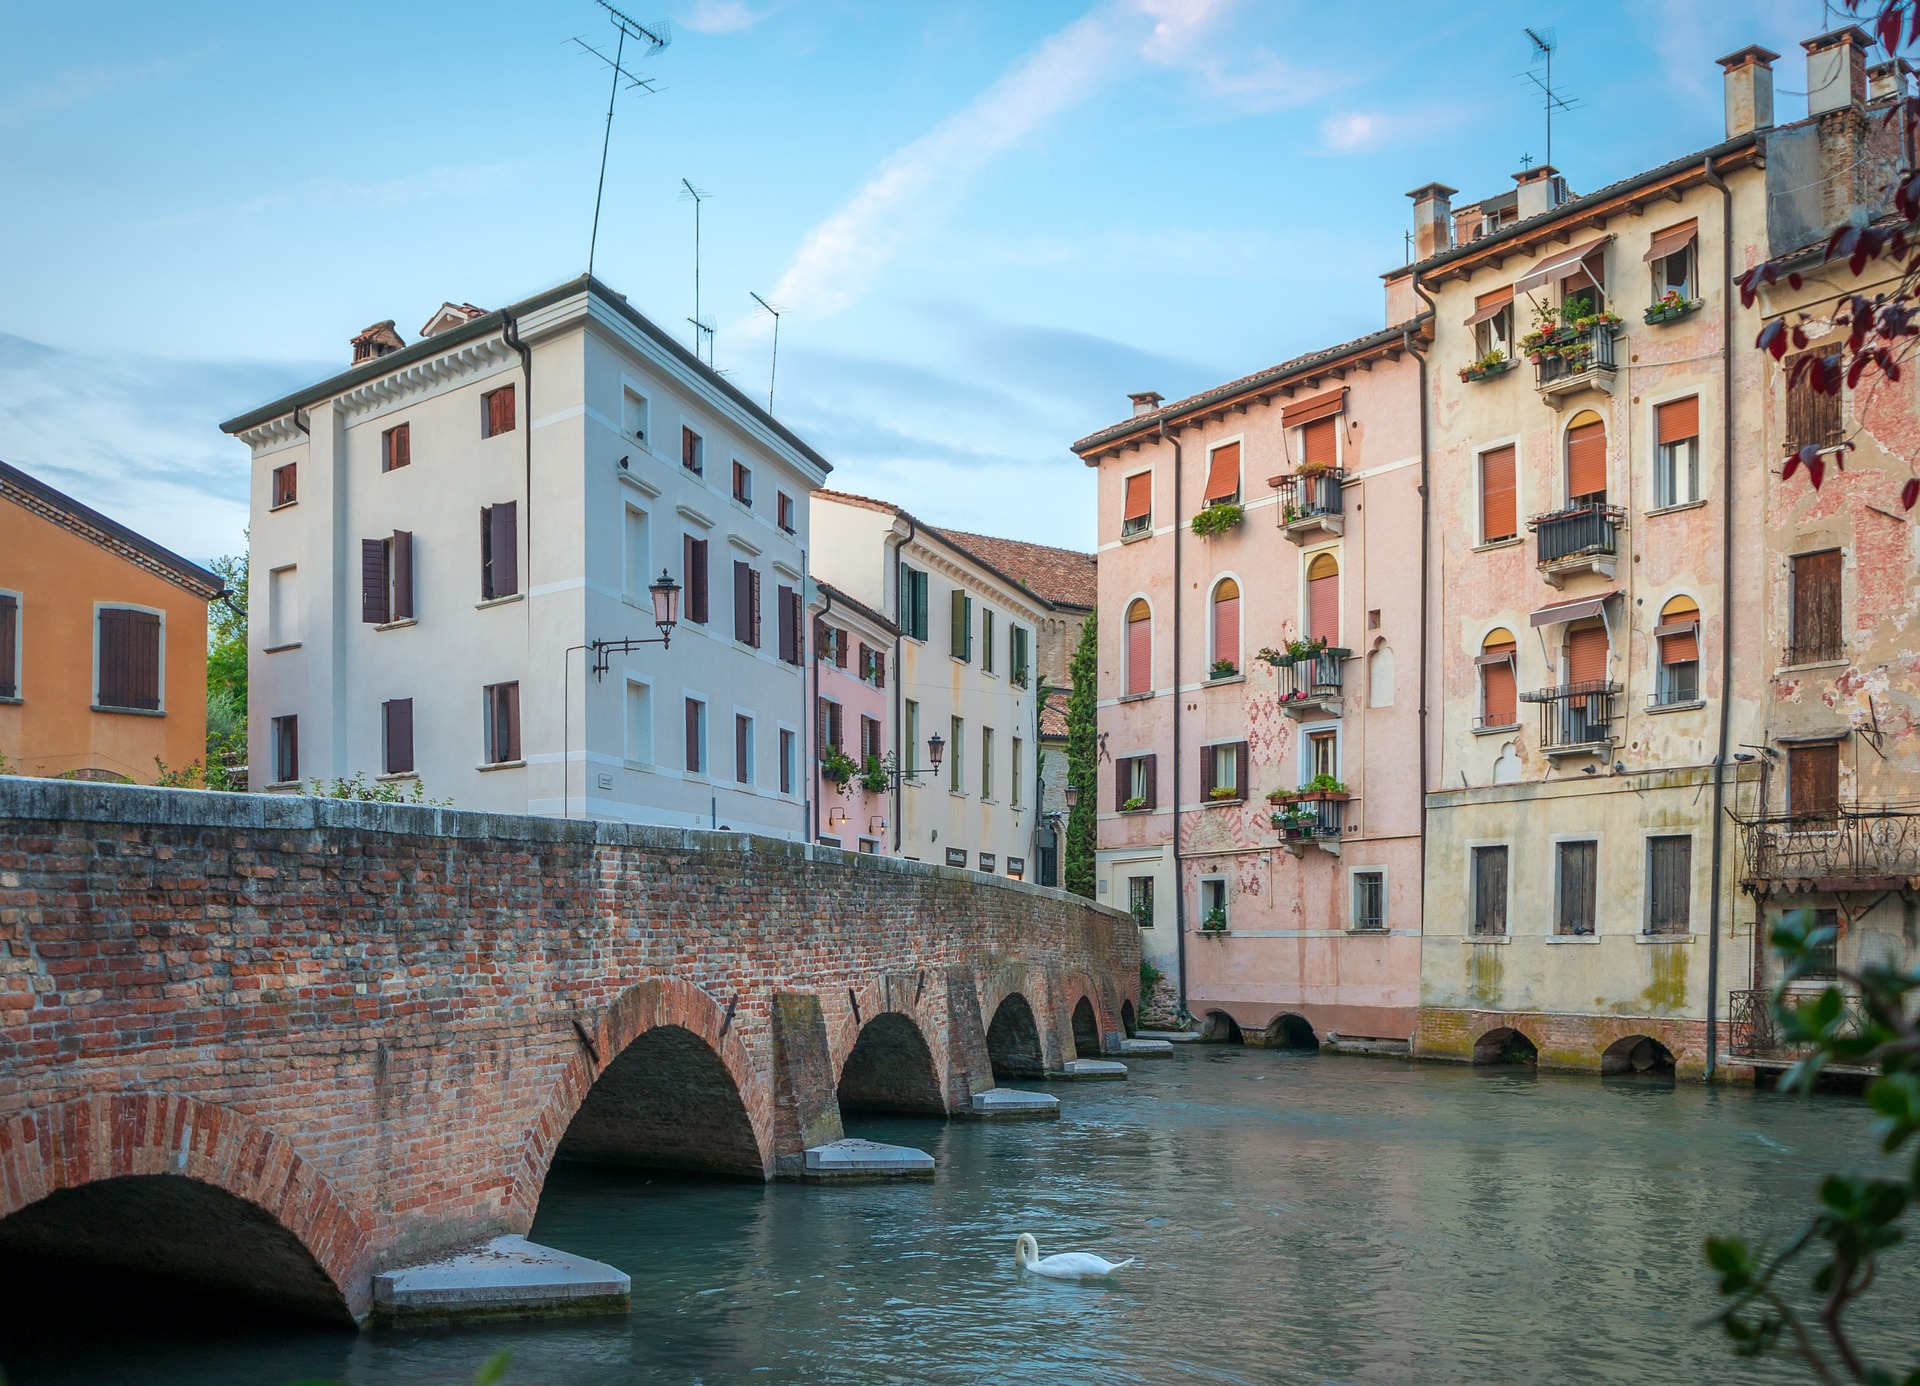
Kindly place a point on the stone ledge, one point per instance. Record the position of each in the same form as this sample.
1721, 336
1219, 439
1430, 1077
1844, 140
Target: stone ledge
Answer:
1012, 1104
507, 1278
853, 1159
1091, 1070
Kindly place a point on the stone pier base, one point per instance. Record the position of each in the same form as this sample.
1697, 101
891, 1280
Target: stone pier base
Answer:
509, 1277
1567, 1043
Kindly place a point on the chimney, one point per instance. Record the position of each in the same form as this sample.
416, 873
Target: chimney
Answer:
377, 340
1749, 80
1535, 191
1837, 70
1432, 219
1145, 402
1888, 81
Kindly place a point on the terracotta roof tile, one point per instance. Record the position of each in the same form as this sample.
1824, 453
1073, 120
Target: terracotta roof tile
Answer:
1065, 577
1053, 716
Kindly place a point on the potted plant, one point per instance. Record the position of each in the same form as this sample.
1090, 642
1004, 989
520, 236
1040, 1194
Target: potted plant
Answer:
1217, 518
1312, 469
1671, 305
1223, 669
1223, 791
1295, 824
1289, 513
1323, 787
1215, 921
1283, 796
873, 776
1493, 363
836, 765
1133, 805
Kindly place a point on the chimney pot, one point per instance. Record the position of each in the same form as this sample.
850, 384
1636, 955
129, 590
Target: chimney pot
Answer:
378, 340
1145, 402
1749, 82
1432, 219
1888, 81
1837, 70
1536, 191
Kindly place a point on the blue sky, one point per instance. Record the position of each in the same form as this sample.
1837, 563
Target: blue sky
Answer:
986, 222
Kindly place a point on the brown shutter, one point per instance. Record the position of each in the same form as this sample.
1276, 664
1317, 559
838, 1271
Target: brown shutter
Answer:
402, 575
1816, 607
799, 627
1122, 781
1240, 768
1586, 460
1140, 655
9, 646
837, 726
695, 559
1139, 503
1499, 700
399, 720
1679, 420
742, 601
841, 648
1226, 629
1206, 772
753, 594
1813, 780
879, 668
504, 525
693, 737
1223, 473
1499, 502
373, 582
512, 691
1320, 443
500, 411
1153, 786
143, 660
403, 445
1320, 406
1587, 655
286, 484
113, 681
1323, 608
785, 595
740, 748
1488, 306
1813, 419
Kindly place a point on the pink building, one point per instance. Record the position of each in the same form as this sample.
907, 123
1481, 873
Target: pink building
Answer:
1260, 781
853, 722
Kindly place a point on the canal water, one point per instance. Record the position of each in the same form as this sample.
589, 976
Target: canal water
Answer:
1296, 1219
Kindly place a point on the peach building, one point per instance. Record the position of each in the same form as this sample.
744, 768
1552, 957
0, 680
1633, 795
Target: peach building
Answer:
1260, 629
853, 649
103, 642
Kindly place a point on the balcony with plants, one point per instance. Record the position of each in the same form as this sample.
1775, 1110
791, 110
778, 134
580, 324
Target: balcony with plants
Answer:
1313, 815
1671, 307
1583, 538
1572, 349
1311, 503
1311, 674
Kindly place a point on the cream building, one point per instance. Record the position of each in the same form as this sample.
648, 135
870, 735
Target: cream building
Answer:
454, 543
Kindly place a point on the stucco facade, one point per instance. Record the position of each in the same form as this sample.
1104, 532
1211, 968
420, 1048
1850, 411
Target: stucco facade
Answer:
851, 664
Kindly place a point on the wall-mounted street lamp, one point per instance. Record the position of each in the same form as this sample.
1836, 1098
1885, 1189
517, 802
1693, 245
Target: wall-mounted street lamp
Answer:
666, 615
896, 776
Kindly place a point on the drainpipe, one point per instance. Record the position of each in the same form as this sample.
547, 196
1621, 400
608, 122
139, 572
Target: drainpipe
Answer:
510, 334
902, 753
1179, 883
1426, 510
816, 777
1726, 609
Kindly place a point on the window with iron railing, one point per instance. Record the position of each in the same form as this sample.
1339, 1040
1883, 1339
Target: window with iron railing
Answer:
1575, 715
1590, 351
1369, 900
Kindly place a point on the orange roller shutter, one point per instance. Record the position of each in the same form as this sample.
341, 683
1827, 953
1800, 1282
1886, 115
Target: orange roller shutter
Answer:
1679, 420
1320, 443
1587, 655
1674, 238
1679, 642
1139, 656
1226, 630
1586, 460
1500, 702
1223, 473
1323, 608
1499, 505
1139, 496
1489, 306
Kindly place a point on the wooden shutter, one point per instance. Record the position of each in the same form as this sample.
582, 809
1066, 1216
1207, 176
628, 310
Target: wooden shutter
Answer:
1226, 628
115, 677
504, 547
1223, 473
1587, 655
1499, 698
1816, 606
1670, 884
374, 609
1499, 498
1153, 784
500, 410
402, 551
787, 631
1323, 604
879, 668
1122, 781
1139, 502
798, 603
836, 726
1813, 780
1813, 419
286, 484
288, 750
1679, 420
511, 698
842, 647
753, 605
697, 581
693, 736
403, 445
398, 714
9, 646
1576, 887
1207, 762
1320, 406
1586, 460
742, 602
1140, 655
1490, 890
1320, 442
1240, 768
740, 732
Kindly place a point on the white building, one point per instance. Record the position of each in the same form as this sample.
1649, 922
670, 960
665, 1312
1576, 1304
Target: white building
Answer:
445, 535
968, 671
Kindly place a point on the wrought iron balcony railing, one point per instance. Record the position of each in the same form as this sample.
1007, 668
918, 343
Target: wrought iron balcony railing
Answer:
1307, 497
1753, 1033
1576, 716
1858, 847
1576, 532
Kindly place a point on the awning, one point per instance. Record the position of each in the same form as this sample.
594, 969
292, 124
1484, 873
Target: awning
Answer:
1673, 238
1488, 306
1562, 266
1319, 406
1562, 612
1505, 656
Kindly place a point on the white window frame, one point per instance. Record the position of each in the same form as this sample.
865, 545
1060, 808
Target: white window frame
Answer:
1691, 289
1657, 452
276, 631
1480, 489
1307, 732
1147, 526
639, 597
956, 755
161, 662
643, 392
1306, 591
1560, 458
628, 758
1486, 337
1016, 752
700, 440
1240, 477
19, 646
1226, 900
986, 766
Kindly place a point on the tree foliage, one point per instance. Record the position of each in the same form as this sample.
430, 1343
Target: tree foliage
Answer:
1082, 748
227, 675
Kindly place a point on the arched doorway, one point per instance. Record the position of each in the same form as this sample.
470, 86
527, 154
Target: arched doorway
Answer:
1637, 1054
1217, 1027
890, 1069
1505, 1045
1013, 1041
1086, 1030
1291, 1031
667, 1102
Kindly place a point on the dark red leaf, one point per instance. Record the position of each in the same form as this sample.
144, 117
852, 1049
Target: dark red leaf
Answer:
1799, 337
1816, 470
1910, 493
1793, 465
1773, 339
1794, 281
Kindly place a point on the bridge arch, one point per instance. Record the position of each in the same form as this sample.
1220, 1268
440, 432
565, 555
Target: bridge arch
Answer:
1290, 1030
1015, 1047
890, 1067
1637, 1054
1086, 1030
1506, 1044
166, 1184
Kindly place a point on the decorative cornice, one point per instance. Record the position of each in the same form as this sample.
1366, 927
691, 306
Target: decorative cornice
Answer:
424, 377
113, 543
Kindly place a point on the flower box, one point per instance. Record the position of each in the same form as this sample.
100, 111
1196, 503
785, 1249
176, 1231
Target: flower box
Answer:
1217, 519
1479, 371
1133, 806
1224, 669
1672, 309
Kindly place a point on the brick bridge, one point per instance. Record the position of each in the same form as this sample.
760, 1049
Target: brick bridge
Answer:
279, 1045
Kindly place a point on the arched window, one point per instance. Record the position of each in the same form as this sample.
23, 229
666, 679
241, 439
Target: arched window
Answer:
1499, 696
1323, 599
1139, 659
1226, 625
1678, 635
1586, 448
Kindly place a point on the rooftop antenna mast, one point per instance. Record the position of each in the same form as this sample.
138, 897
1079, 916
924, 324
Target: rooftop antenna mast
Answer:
702, 329
1544, 42
656, 37
774, 365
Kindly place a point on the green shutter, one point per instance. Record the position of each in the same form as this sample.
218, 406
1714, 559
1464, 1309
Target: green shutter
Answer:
967, 627
960, 625
919, 606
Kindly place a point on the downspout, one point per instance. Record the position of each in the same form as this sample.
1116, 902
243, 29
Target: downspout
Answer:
1726, 611
806, 708
1179, 882
818, 780
902, 753
510, 334
1419, 354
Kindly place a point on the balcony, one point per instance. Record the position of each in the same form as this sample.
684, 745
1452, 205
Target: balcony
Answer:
1579, 539
1582, 361
1855, 847
1576, 719
1310, 685
1313, 819
1310, 504
1753, 1035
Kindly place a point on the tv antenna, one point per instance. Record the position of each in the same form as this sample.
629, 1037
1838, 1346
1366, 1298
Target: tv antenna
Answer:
701, 327
656, 37
774, 365
1544, 43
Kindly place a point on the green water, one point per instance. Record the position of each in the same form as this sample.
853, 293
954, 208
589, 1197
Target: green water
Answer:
1296, 1218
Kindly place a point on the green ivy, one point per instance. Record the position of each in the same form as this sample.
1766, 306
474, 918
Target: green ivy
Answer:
1218, 519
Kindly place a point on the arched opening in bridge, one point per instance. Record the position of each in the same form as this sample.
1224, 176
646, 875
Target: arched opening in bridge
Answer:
161, 1239
1013, 1041
1637, 1054
1086, 1030
667, 1102
1220, 1028
1505, 1046
890, 1069
1290, 1031
1129, 1021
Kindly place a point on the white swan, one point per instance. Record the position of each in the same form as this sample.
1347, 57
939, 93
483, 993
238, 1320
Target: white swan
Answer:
1066, 1265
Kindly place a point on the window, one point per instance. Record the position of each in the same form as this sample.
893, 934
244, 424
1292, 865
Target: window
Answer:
786, 761
746, 604
1676, 468
1136, 515
693, 562
1492, 324
1139, 651
286, 484
128, 668
1587, 654
502, 723
1213, 903
986, 762
695, 732
1223, 772
633, 414
829, 643
1574, 887
1499, 496
1019, 654
1678, 635
1586, 457
913, 602
870, 748
986, 640
1140, 900
1134, 783
9, 645
787, 600
693, 451
832, 728
1671, 257
1816, 608
1489, 892
1320, 756
1813, 782
499, 550
1499, 697
1226, 625
1320, 443
639, 748
742, 748
1323, 599
960, 626
1013, 784
396, 444
286, 750
496, 412
873, 665
637, 557
1824, 958
396, 734
742, 482
1223, 475
283, 607
1669, 884
1813, 418
386, 579
783, 511
1369, 900
910, 736
957, 755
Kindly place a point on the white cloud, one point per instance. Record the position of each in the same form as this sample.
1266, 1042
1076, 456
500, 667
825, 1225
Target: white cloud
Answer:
722, 16
338, 192
78, 85
1357, 132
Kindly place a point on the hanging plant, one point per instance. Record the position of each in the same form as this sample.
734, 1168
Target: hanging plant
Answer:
1217, 519
836, 765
